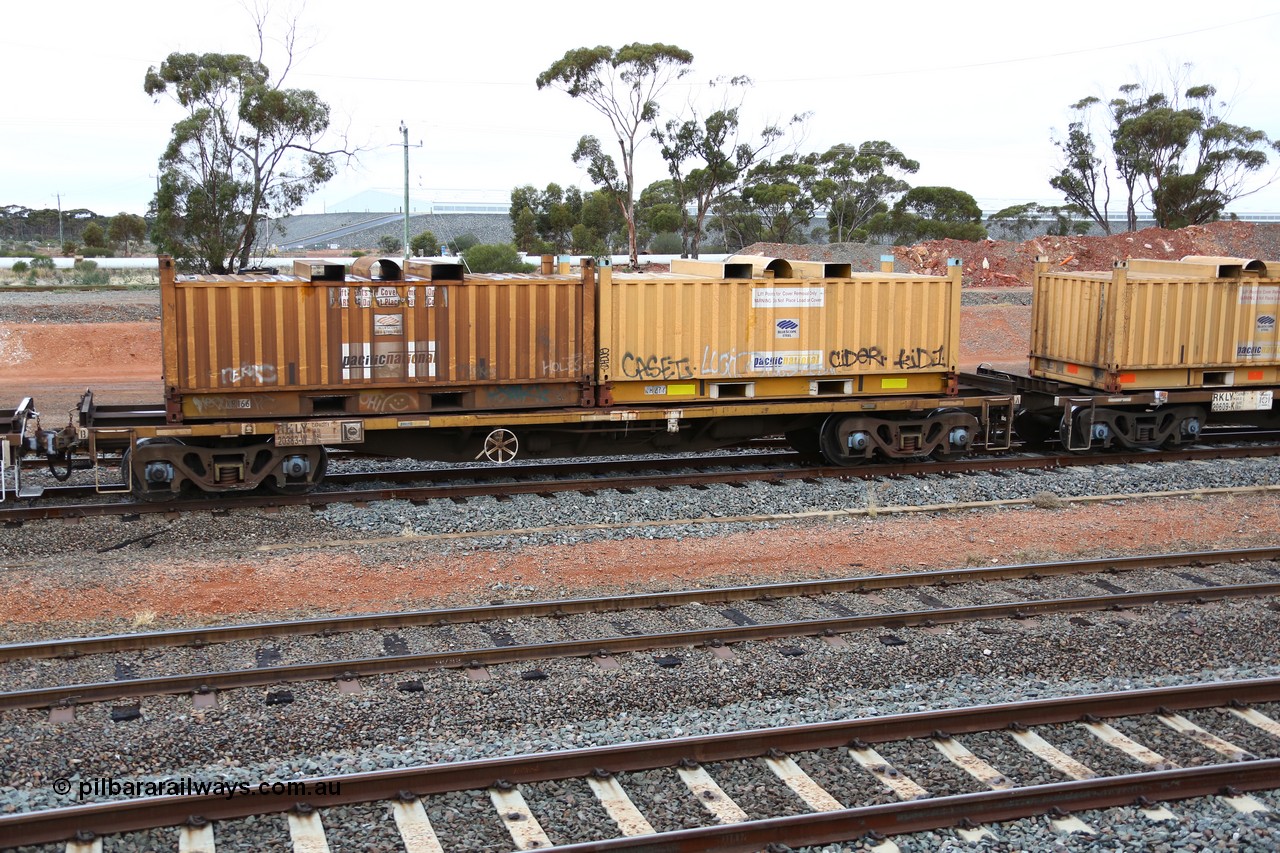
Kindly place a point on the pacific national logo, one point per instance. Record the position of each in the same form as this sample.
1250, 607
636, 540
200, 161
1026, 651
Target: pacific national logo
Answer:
787, 328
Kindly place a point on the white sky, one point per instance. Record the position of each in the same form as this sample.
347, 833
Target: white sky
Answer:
971, 91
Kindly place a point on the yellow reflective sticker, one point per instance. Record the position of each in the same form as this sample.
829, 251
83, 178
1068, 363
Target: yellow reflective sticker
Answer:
895, 382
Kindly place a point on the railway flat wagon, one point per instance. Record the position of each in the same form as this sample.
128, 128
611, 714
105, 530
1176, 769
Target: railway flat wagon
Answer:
1148, 352
263, 372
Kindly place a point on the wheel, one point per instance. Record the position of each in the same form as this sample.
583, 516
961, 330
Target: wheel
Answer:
137, 480
500, 446
963, 428
843, 442
299, 486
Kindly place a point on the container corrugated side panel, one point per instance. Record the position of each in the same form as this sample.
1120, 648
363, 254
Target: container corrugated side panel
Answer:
667, 330
250, 335
1070, 318
508, 331
1193, 323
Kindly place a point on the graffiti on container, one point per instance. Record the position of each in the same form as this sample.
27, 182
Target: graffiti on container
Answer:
727, 363
570, 365
219, 405
861, 357
249, 373
382, 402
920, 358
602, 359
655, 367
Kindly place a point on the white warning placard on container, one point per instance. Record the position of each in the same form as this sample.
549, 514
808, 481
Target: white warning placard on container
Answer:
788, 297
1241, 401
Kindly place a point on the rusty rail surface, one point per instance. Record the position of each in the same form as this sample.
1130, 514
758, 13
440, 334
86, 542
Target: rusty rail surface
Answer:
222, 503
206, 682
61, 824
209, 635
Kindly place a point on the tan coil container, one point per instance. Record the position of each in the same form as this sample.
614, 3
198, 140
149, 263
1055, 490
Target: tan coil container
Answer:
280, 345
1197, 322
688, 338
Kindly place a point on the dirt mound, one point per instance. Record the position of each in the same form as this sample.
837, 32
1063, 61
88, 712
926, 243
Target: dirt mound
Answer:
996, 263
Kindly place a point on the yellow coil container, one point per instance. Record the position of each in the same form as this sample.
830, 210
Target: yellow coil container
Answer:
1198, 322
686, 337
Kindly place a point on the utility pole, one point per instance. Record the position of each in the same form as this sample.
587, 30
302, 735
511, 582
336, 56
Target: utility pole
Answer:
404, 131
61, 240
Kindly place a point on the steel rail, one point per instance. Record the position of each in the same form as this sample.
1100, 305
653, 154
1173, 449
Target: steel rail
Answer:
205, 682
227, 501
923, 815
59, 824
209, 635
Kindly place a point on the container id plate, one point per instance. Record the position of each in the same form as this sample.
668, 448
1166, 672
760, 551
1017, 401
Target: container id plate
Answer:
300, 433
1241, 401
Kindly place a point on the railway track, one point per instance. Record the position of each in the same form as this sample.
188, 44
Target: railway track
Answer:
710, 621
966, 769
588, 477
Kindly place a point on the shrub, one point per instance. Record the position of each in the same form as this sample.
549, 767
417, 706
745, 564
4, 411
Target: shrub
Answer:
501, 257
390, 244
87, 274
466, 241
21, 266
95, 252
666, 244
42, 262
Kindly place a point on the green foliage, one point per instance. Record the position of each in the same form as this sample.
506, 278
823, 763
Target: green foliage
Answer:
359, 253
21, 266
1176, 155
464, 242
423, 244
69, 247
1020, 220
390, 244
623, 85
247, 148
775, 205
501, 257
87, 274
666, 244
94, 236
930, 213
95, 252
857, 182
127, 228
42, 263
547, 221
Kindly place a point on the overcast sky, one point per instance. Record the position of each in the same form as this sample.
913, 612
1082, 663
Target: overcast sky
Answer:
972, 91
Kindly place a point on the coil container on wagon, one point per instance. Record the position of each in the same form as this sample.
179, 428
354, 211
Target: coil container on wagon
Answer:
726, 335
1202, 322
321, 342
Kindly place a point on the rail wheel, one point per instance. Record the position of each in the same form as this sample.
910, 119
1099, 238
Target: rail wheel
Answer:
500, 446
296, 469
961, 428
843, 441
152, 482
